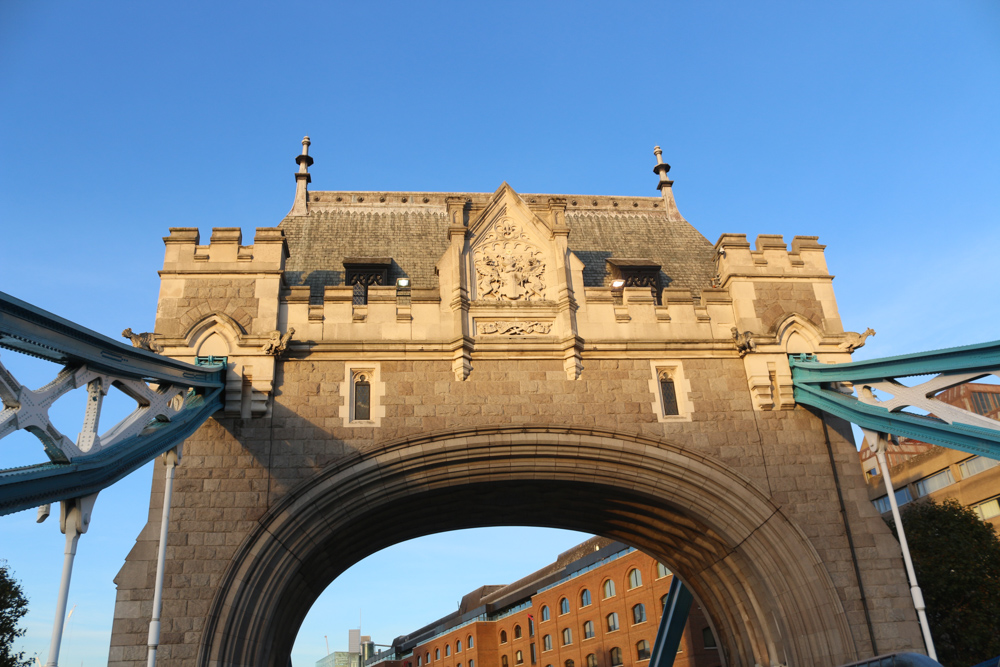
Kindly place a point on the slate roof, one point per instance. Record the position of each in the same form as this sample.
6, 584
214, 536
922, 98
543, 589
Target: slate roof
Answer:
412, 229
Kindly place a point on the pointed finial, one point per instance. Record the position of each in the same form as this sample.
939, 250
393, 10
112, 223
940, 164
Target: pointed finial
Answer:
304, 161
661, 168
305, 145
302, 180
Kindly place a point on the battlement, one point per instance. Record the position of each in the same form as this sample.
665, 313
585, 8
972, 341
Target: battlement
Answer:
769, 258
225, 252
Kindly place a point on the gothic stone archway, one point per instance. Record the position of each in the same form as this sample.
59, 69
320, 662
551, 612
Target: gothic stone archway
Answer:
512, 380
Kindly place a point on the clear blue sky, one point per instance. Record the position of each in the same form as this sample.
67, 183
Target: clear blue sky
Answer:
873, 125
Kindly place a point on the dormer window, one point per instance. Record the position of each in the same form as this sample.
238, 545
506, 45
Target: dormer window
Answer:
636, 272
363, 272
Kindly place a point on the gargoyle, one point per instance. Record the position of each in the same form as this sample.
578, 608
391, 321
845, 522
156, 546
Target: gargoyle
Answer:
278, 343
855, 340
744, 342
143, 341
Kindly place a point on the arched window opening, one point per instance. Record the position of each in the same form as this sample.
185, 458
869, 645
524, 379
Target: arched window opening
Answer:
545, 613
437, 654
612, 622
663, 602
634, 578
564, 606
616, 657
588, 630
471, 645
668, 395
609, 589
547, 643
519, 658
642, 650
517, 632
568, 663
639, 613
708, 638
585, 598
362, 397
503, 636
591, 660
567, 636
447, 650
458, 646
503, 661
662, 571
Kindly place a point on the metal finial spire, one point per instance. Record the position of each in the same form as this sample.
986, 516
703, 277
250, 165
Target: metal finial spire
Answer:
304, 161
661, 168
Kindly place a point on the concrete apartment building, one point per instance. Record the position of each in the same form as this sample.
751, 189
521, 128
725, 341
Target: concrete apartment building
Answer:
919, 469
598, 605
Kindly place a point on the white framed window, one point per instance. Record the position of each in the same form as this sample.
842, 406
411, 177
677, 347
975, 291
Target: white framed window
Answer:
934, 482
662, 571
976, 465
671, 391
362, 390
989, 509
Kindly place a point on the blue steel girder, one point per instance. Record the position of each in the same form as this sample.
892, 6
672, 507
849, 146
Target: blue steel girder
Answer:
828, 387
173, 399
675, 614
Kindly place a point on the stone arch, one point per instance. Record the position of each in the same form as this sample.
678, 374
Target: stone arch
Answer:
197, 319
797, 334
215, 324
753, 570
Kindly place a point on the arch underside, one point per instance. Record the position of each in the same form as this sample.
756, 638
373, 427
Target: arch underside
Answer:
754, 572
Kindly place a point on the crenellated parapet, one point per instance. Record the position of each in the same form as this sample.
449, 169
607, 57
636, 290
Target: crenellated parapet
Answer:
222, 300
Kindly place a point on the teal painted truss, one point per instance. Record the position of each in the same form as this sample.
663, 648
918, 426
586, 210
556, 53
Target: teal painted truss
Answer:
828, 387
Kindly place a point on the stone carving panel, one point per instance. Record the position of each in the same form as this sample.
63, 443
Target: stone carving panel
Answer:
513, 328
508, 268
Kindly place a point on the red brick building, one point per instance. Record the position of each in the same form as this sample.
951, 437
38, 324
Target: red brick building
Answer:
598, 605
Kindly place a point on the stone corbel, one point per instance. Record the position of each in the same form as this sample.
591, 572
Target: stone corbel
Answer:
770, 381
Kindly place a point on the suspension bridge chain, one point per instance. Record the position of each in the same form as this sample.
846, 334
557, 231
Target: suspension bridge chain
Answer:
848, 390
172, 400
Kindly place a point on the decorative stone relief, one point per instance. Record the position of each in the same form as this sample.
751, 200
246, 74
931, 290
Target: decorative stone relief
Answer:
508, 269
514, 328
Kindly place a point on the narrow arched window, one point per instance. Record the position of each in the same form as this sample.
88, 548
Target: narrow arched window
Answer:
545, 613
471, 645
634, 578
418, 661
564, 606
662, 571
616, 657
663, 602
708, 638
531, 626
547, 643
588, 630
447, 650
472, 663
568, 663
519, 658
437, 654
585, 598
428, 657
612, 622
591, 660
362, 397
503, 661
609, 589
642, 650
503, 636
567, 637
458, 646
639, 613
668, 395
517, 632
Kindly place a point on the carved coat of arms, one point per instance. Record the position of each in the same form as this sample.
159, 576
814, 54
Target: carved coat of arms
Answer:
507, 268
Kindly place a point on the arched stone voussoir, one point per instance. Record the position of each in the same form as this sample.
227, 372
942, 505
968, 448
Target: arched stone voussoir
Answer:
754, 571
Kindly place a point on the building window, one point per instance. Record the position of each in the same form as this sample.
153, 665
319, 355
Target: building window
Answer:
634, 578
547, 643
519, 658
517, 632
437, 654
902, 497
362, 407
616, 656
363, 272
545, 613
708, 638
428, 657
663, 602
642, 650
447, 650
983, 402
976, 465
503, 636
989, 509
458, 646
588, 630
639, 613
585, 598
472, 663
934, 482
568, 663
591, 660
534, 658
567, 637
668, 395
609, 589
418, 661
662, 571
531, 626
564, 606
470, 644
612, 622
503, 661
